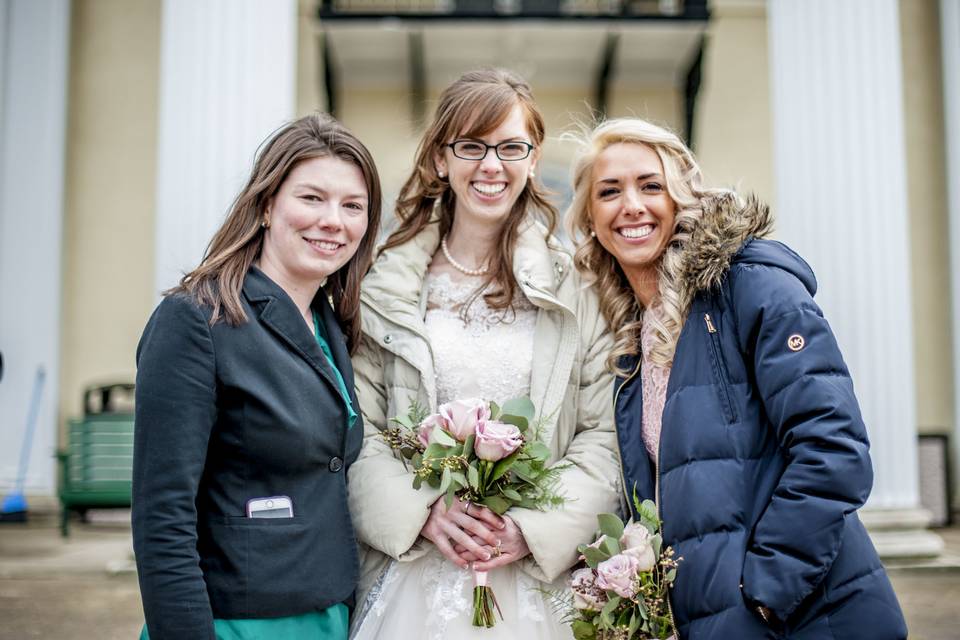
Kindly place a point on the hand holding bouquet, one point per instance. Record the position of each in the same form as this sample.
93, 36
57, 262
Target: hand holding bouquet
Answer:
481, 453
622, 593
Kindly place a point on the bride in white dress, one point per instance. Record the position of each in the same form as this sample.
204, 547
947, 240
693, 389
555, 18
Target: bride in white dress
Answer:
471, 297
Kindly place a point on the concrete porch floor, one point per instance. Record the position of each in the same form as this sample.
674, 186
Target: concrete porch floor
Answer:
85, 587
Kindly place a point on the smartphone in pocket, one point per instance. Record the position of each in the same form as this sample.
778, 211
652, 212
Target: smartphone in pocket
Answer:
272, 507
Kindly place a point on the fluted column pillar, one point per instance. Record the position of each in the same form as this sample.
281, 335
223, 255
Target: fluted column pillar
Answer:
840, 170
227, 79
950, 49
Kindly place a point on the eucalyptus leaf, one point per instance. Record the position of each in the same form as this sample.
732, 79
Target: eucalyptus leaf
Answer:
503, 466
671, 575
595, 556
607, 613
404, 421
521, 407
468, 446
445, 480
583, 630
518, 421
610, 546
458, 479
496, 504
494, 410
610, 525
416, 460
473, 477
417, 482
440, 436
634, 623
511, 494
656, 542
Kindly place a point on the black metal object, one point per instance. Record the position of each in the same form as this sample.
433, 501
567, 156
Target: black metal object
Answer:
329, 76
690, 90
515, 10
418, 78
605, 73
109, 398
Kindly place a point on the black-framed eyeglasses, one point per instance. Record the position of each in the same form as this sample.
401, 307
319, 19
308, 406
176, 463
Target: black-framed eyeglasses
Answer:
476, 150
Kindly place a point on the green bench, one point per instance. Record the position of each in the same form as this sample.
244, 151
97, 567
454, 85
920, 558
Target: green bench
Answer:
97, 465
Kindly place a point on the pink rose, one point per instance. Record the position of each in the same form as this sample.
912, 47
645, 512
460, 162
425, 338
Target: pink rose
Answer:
426, 427
618, 574
587, 596
635, 542
496, 440
460, 417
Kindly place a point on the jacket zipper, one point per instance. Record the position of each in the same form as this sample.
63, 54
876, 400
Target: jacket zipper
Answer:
616, 428
721, 368
656, 492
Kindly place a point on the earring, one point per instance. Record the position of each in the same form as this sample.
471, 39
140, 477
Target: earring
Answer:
593, 234
532, 173
265, 224
440, 174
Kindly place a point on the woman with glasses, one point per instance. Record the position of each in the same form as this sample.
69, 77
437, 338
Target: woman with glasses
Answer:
471, 297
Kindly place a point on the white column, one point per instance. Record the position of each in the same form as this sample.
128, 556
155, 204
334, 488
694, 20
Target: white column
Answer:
227, 80
840, 169
950, 50
34, 51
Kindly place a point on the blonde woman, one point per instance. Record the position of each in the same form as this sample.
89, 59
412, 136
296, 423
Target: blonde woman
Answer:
472, 297
734, 408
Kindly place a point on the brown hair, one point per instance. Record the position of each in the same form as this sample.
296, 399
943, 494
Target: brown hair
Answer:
477, 103
235, 246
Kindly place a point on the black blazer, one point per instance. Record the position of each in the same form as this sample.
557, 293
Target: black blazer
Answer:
225, 414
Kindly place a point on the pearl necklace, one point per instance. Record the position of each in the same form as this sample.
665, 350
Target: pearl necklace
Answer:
456, 265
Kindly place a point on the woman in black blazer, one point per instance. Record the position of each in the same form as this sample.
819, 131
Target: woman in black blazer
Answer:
245, 393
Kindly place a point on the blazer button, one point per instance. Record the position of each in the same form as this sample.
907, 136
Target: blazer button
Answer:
336, 464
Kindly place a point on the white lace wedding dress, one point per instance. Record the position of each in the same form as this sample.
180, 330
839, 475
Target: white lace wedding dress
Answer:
489, 356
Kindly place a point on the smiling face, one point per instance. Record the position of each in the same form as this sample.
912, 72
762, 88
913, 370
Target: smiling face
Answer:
487, 189
316, 222
630, 209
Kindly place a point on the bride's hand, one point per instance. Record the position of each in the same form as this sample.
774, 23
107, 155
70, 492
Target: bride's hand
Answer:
512, 547
459, 525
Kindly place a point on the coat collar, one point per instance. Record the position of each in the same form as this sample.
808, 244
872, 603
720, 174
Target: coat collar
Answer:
275, 309
397, 276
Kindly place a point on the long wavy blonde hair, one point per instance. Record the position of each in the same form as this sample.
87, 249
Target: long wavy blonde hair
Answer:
620, 307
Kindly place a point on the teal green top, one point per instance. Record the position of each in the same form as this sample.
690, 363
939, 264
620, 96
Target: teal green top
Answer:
330, 624
319, 332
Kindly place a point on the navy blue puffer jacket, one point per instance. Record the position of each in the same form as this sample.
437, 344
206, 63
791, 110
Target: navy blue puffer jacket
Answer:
763, 455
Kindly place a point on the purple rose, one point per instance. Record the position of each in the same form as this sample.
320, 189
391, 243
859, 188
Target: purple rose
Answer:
426, 427
587, 596
635, 542
460, 417
496, 440
619, 574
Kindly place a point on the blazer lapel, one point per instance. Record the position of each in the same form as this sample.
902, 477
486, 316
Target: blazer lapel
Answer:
280, 315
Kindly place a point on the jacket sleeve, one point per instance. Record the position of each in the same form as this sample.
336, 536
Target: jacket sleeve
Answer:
387, 512
175, 412
591, 480
808, 397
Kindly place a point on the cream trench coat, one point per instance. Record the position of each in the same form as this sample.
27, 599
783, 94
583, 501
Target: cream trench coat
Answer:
569, 383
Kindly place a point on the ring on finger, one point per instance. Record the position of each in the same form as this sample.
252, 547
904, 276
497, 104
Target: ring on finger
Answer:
466, 509
497, 551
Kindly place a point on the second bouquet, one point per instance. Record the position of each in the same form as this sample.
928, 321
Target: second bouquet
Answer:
480, 452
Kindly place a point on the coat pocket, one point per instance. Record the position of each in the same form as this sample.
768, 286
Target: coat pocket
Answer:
720, 373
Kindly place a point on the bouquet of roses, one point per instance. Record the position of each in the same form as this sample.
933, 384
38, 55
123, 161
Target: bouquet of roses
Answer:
482, 453
622, 593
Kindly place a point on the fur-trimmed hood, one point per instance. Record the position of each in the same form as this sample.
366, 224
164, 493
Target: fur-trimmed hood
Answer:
724, 235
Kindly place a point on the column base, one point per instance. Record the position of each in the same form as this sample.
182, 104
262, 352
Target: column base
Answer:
902, 534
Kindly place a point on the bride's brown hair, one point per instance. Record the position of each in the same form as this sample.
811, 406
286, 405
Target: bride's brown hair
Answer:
477, 103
